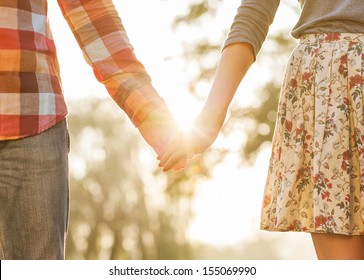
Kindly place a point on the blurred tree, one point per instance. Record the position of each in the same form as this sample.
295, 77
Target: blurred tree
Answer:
121, 207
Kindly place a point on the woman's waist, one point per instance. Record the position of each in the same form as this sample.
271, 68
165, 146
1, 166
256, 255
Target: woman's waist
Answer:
332, 37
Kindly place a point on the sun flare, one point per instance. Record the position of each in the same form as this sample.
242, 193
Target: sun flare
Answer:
184, 112
184, 121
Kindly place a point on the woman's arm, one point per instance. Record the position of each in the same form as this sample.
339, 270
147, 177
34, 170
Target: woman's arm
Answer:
234, 62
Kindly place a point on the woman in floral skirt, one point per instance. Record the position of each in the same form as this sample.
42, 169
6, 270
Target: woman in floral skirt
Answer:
315, 180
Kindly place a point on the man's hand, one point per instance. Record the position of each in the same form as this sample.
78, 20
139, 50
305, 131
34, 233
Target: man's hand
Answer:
158, 128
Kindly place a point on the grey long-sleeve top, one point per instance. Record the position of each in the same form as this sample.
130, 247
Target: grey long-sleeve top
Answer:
254, 17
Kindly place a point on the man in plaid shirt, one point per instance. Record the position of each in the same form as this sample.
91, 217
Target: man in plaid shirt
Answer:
34, 139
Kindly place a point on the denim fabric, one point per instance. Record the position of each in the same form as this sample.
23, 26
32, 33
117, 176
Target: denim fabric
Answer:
34, 195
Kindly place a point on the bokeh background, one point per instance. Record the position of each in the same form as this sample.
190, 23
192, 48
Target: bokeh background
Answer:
122, 205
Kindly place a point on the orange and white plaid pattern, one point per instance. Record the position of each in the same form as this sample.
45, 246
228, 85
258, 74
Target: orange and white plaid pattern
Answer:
31, 97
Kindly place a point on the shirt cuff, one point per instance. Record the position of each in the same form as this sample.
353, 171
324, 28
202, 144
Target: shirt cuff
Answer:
141, 102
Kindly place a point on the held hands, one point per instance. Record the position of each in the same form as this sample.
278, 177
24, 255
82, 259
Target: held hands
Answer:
175, 146
183, 145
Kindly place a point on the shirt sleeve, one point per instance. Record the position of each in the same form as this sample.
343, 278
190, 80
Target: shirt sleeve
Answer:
251, 23
102, 38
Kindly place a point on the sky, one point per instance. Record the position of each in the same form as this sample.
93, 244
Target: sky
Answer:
227, 207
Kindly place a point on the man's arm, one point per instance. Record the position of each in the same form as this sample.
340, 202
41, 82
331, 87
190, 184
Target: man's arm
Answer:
103, 40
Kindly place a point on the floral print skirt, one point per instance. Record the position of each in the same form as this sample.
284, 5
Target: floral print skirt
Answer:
316, 173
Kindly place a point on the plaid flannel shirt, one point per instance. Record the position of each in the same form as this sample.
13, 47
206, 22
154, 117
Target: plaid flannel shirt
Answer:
31, 97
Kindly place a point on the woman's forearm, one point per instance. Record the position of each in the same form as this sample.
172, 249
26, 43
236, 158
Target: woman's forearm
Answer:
235, 61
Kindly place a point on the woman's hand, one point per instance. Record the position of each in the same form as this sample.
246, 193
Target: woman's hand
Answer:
183, 145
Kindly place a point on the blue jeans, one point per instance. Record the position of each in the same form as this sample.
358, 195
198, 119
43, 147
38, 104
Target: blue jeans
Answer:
34, 195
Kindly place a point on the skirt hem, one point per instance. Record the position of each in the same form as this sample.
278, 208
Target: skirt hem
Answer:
285, 229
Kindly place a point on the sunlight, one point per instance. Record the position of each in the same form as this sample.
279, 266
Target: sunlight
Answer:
184, 109
184, 121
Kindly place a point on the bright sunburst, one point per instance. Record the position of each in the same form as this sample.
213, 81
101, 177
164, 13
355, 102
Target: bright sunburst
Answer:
185, 111
184, 121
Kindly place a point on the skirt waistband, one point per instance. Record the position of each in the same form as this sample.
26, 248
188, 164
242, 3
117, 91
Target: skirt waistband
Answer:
332, 37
